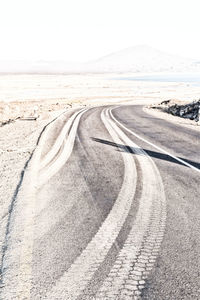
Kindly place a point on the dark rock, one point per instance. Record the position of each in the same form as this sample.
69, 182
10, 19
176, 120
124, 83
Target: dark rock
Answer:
165, 102
189, 111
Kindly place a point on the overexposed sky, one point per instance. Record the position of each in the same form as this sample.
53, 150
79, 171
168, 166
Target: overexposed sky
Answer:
82, 30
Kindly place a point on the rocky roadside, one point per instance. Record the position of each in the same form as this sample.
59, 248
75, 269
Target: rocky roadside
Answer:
178, 112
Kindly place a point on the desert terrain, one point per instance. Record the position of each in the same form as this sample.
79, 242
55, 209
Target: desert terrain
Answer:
30, 102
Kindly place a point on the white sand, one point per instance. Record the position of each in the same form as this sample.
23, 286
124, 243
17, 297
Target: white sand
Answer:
86, 88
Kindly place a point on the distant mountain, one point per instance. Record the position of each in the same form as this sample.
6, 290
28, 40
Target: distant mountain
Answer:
143, 59
134, 59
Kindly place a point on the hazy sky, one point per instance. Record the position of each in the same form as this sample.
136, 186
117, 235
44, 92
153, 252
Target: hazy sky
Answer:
81, 30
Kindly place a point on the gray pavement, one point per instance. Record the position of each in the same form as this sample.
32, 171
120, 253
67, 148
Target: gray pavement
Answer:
118, 219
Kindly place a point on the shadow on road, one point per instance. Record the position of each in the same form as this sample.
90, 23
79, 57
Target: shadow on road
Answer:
154, 154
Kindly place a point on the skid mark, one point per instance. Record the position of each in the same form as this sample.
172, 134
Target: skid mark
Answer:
137, 257
74, 281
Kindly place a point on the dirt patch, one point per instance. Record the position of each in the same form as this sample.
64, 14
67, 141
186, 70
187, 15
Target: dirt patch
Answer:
30, 110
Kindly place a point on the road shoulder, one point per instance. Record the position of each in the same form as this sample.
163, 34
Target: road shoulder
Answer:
173, 119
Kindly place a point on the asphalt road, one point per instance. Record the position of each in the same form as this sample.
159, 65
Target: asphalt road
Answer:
108, 209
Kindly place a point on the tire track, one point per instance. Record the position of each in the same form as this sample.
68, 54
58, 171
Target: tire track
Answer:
61, 151
74, 281
59, 141
17, 272
138, 255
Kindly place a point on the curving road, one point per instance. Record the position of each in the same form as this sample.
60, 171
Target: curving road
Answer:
108, 209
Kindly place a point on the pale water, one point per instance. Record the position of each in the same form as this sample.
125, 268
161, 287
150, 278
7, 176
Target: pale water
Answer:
194, 79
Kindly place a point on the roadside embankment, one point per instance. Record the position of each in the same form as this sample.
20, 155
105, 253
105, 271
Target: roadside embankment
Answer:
188, 111
177, 111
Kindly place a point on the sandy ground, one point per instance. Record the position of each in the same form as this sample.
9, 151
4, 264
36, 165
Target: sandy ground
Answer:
17, 141
37, 95
25, 96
